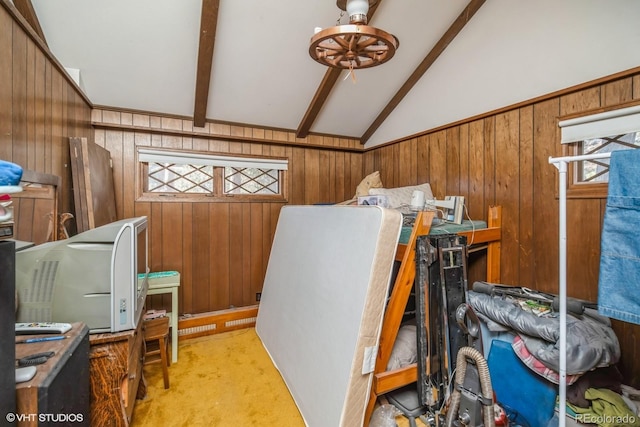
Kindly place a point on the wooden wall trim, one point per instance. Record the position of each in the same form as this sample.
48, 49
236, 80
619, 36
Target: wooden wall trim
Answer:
33, 35
598, 111
26, 9
211, 122
234, 138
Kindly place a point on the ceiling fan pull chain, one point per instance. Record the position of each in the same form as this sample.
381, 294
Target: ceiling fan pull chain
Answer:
352, 73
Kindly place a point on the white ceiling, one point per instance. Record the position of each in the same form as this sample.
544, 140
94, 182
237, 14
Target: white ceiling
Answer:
142, 55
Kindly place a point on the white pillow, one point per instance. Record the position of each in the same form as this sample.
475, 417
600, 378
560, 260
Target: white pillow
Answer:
401, 196
405, 349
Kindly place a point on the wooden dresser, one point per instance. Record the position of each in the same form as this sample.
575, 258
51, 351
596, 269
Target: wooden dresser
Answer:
58, 394
116, 361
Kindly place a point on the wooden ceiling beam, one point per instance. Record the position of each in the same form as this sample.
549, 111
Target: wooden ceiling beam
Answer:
440, 46
25, 7
208, 24
320, 97
323, 91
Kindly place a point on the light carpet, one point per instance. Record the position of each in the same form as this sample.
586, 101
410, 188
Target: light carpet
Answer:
219, 380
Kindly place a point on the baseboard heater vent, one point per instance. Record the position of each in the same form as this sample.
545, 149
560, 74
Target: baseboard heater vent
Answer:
232, 323
197, 329
192, 326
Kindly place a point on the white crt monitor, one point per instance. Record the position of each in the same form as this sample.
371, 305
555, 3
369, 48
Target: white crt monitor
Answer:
98, 277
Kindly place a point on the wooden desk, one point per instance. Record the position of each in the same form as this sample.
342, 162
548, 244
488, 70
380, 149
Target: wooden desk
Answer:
115, 362
59, 393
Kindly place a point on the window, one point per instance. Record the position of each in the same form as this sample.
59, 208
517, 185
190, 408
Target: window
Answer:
194, 175
251, 181
597, 171
165, 177
603, 132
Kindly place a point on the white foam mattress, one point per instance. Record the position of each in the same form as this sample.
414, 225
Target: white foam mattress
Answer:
322, 305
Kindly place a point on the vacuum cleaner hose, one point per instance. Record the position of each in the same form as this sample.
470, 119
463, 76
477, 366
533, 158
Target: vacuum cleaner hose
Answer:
485, 385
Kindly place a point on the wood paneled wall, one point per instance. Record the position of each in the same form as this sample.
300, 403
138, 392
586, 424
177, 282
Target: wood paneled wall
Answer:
40, 106
503, 159
221, 249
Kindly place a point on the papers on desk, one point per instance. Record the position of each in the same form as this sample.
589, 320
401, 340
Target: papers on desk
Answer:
154, 314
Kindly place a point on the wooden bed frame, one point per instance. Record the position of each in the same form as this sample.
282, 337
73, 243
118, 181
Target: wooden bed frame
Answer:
385, 381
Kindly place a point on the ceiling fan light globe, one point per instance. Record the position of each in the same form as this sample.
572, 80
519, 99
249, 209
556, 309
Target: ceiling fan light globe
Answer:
357, 11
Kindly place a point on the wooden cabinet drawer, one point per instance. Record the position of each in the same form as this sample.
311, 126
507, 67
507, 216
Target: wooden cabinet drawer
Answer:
116, 376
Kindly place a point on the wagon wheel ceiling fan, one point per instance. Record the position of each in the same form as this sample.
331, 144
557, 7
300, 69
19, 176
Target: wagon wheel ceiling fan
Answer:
355, 45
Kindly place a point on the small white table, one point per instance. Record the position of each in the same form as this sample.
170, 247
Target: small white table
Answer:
168, 282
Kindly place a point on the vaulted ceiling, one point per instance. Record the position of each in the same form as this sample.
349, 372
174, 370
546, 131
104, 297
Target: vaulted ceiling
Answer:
247, 62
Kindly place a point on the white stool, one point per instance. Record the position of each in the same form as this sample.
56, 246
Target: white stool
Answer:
165, 282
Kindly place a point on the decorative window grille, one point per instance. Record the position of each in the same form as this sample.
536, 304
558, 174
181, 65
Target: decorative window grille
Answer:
194, 175
175, 178
251, 181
